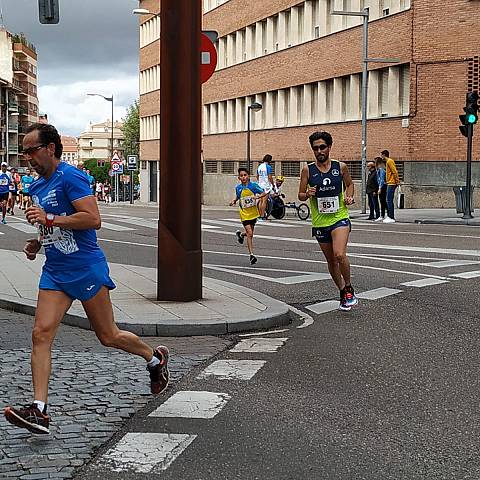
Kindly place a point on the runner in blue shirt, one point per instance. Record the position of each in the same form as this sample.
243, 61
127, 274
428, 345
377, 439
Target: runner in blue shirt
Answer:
27, 181
66, 214
5, 180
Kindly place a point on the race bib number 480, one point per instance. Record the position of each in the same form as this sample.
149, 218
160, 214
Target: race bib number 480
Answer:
49, 235
328, 204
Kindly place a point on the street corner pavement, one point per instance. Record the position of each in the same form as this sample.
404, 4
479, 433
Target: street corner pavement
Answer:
93, 392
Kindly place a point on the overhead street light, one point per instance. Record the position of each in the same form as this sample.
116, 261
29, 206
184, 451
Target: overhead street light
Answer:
254, 107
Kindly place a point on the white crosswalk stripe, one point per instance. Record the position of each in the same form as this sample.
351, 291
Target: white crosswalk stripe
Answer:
116, 228
467, 275
232, 369
145, 452
192, 404
424, 282
259, 345
378, 293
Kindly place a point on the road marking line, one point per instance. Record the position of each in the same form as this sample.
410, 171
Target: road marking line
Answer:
425, 282
366, 267
467, 275
145, 452
324, 307
310, 277
378, 293
127, 243
415, 233
117, 228
25, 228
373, 246
232, 369
451, 263
263, 333
274, 223
307, 319
189, 404
141, 222
259, 345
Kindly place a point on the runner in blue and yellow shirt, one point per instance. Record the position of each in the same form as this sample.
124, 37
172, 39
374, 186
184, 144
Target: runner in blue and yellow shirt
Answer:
247, 193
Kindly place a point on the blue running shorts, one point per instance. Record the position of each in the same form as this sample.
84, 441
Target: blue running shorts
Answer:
82, 284
324, 234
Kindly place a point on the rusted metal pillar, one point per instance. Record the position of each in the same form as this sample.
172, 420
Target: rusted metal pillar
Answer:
179, 225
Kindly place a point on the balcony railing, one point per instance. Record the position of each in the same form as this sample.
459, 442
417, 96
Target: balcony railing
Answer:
13, 127
13, 149
20, 66
13, 106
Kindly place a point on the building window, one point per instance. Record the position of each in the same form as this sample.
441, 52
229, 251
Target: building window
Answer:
228, 167
144, 164
386, 12
290, 169
211, 166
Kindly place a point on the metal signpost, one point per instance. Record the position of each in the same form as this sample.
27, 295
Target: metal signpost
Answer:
132, 165
365, 14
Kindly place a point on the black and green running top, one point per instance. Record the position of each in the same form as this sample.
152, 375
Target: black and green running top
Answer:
328, 206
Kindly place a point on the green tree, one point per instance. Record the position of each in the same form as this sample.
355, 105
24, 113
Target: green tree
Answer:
100, 173
131, 129
131, 132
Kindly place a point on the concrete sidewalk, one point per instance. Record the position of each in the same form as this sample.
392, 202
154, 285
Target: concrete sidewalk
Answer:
225, 308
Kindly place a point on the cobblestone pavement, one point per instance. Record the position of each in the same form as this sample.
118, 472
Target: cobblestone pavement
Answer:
93, 390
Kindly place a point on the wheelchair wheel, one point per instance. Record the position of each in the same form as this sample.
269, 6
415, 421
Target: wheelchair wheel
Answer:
303, 211
269, 207
278, 210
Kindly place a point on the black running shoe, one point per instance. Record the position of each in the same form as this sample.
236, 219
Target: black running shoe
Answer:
29, 417
240, 237
253, 259
159, 375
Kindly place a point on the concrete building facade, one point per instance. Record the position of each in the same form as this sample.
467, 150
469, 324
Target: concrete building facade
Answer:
96, 142
304, 66
70, 149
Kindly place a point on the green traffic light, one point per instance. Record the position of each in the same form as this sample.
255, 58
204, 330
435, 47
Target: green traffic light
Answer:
471, 118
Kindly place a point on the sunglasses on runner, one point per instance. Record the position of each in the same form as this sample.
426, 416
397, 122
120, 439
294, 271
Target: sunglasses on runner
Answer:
322, 147
32, 150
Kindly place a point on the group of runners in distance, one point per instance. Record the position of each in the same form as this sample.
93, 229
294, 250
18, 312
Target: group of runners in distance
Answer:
14, 190
329, 188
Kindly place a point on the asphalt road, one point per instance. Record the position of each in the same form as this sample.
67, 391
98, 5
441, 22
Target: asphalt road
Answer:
387, 391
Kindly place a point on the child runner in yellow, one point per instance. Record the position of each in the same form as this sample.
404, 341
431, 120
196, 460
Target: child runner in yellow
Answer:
247, 193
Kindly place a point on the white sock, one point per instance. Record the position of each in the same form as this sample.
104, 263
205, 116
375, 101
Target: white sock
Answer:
153, 362
40, 405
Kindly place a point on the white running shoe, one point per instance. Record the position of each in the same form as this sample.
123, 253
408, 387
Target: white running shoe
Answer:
389, 220
380, 219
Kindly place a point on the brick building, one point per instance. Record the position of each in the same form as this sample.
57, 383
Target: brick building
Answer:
304, 66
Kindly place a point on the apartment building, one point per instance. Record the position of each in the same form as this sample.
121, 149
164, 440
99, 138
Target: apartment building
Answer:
304, 66
70, 149
96, 142
18, 93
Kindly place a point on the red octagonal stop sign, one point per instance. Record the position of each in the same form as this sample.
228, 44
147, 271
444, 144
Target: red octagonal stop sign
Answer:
208, 58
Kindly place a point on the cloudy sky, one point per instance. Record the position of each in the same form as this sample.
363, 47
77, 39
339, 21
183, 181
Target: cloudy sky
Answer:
94, 49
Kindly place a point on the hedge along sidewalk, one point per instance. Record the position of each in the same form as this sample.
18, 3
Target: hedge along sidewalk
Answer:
225, 307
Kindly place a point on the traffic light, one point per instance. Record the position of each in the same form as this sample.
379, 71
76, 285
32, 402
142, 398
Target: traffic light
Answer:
49, 11
471, 113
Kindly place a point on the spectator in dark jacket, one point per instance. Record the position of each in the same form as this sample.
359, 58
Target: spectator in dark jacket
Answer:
372, 191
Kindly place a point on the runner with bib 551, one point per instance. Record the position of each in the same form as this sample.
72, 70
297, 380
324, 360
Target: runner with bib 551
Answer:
329, 187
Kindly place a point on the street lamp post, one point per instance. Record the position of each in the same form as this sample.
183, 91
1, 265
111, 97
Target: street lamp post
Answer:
254, 107
365, 60
109, 99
